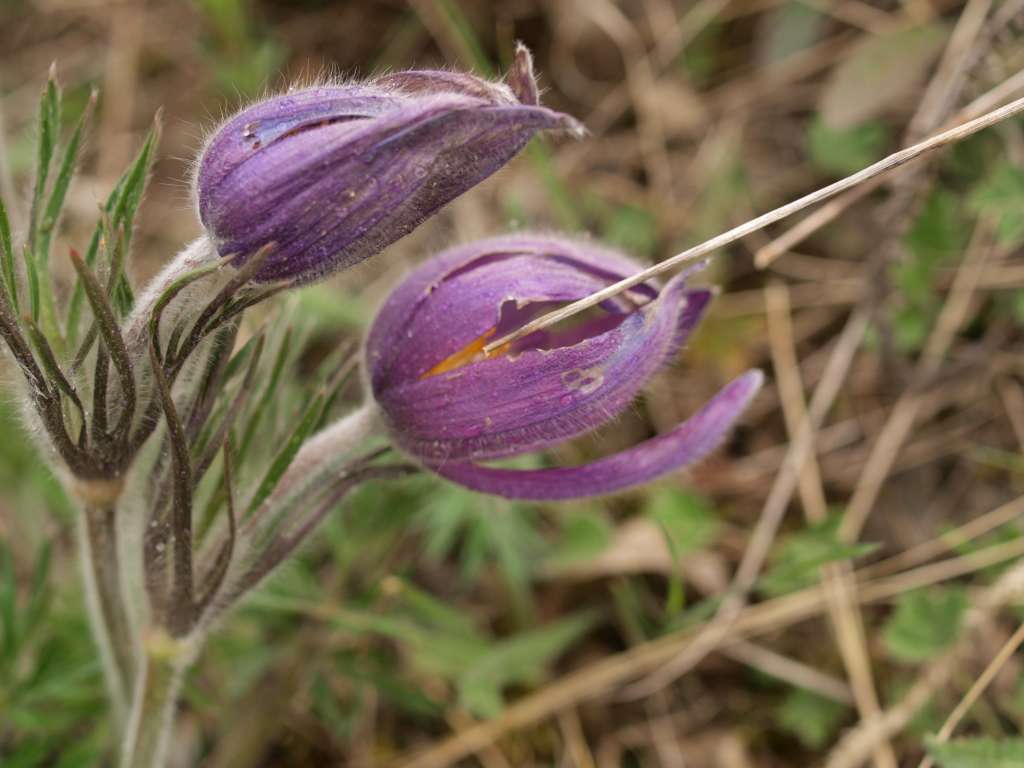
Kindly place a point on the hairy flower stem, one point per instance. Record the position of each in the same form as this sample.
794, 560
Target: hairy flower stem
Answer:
108, 615
155, 700
198, 254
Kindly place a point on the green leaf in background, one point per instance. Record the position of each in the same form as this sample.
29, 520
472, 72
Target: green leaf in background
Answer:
937, 236
30, 484
520, 659
813, 719
435, 613
582, 537
331, 309
440, 641
881, 72
1015, 702
688, 523
242, 57
798, 557
1015, 303
940, 231
51, 691
788, 29
725, 192
977, 753
481, 530
910, 327
924, 623
700, 57
841, 151
1001, 197
687, 519
633, 229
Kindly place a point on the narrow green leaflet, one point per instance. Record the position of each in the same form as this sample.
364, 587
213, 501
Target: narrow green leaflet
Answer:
7, 259
120, 208
133, 184
49, 363
55, 204
267, 397
435, 650
978, 753
49, 127
42, 242
283, 459
32, 274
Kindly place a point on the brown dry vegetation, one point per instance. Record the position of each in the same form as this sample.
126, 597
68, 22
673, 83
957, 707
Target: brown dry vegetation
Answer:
701, 115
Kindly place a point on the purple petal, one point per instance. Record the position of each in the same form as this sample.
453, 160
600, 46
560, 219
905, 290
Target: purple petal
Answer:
686, 444
334, 195
334, 174
697, 302
254, 129
516, 403
456, 297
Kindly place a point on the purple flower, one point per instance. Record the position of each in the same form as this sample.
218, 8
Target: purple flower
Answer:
450, 406
334, 174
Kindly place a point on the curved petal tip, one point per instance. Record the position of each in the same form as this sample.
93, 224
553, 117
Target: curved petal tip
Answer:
688, 443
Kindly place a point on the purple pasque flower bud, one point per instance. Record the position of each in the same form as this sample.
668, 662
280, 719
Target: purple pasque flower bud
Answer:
334, 174
450, 406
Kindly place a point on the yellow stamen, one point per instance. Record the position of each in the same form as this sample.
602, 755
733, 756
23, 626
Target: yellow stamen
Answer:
469, 353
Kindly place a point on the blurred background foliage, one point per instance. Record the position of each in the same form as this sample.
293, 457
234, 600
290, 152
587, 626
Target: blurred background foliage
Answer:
422, 608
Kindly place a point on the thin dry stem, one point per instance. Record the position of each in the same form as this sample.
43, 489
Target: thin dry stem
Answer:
858, 744
1009, 648
849, 629
948, 541
576, 747
768, 253
604, 675
904, 413
699, 252
1013, 404
773, 511
791, 671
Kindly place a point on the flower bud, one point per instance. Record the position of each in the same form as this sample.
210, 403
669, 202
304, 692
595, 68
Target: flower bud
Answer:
334, 174
449, 405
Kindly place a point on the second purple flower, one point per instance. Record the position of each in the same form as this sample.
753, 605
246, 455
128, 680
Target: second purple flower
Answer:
449, 405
